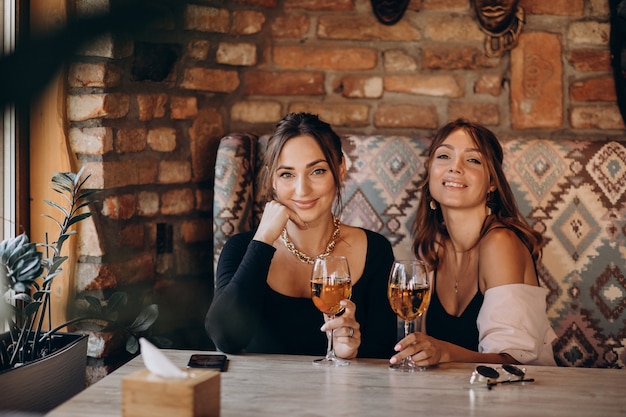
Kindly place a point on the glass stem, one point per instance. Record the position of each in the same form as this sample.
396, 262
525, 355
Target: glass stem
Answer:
330, 351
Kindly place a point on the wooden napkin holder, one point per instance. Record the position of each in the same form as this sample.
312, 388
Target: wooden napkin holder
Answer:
147, 395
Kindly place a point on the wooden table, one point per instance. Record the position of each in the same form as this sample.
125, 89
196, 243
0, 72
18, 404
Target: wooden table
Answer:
282, 385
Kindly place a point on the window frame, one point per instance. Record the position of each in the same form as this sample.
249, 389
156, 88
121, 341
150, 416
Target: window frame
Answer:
14, 131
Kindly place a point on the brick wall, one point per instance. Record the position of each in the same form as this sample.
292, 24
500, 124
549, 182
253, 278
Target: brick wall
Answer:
146, 113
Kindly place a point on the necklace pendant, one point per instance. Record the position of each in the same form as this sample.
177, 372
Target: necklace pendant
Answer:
456, 287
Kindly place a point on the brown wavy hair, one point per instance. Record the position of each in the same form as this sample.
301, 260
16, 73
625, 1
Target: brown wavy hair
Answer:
298, 124
429, 230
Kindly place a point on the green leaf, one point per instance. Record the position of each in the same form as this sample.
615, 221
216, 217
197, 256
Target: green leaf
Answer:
31, 308
78, 218
145, 319
57, 206
94, 303
22, 296
116, 300
132, 346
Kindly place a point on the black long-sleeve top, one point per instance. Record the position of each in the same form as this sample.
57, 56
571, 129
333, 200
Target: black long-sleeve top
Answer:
247, 315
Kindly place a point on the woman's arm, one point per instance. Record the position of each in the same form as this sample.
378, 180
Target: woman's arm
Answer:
241, 280
512, 318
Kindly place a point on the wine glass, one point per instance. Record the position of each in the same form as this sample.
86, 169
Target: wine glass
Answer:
330, 283
409, 294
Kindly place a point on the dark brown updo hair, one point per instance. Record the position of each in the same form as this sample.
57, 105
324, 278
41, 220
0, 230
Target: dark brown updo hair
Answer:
299, 124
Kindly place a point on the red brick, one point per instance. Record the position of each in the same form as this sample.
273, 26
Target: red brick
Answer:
205, 134
91, 140
200, 230
398, 60
151, 106
605, 117
147, 203
337, 114
588, 33
92, 106
132, 236
99, 75
174, 172
428, 85
122, 173
455, 57
206, 19
292, 26
162, 139
365, 28
247, 22
205, 79
119, 206
283, 83
179, 201
405, 116
448, 27
594, 89
239, 54
184, 107
329, 58
140, 267
270, 4
489, 84
359, 86
487, 114
590, 60
255, 111
204, 201
92, 277
131, 140
554, 7
198, 49
439, 5
320, 5
536, 82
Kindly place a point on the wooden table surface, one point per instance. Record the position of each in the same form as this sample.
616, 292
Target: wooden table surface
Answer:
283, 385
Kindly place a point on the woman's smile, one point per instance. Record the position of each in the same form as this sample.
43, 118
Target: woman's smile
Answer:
304, 204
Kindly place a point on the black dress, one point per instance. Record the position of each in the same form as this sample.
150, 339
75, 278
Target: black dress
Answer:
247, 315
462, 330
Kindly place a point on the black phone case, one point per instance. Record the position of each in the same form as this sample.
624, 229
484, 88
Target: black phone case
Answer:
208, 361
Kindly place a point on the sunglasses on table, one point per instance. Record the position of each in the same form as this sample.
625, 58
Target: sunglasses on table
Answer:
491, 377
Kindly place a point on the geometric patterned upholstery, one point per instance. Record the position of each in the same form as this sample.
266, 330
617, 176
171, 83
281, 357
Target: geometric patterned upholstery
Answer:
573, 192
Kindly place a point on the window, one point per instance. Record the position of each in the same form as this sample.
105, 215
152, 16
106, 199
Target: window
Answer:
13, 134
7, 130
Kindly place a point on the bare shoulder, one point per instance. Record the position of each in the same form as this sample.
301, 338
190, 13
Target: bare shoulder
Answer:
503, 258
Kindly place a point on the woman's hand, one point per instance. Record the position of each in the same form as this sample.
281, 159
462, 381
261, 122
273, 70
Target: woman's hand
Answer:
275, 217
424, 350
347, 333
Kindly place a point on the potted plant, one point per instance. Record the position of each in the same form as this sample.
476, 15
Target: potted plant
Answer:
26, 277
29, 351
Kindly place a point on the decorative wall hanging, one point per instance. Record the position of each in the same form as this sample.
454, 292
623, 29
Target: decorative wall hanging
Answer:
618, 51
502, 22
388, 12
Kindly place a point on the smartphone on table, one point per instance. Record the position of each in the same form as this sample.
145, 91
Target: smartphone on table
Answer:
215, 361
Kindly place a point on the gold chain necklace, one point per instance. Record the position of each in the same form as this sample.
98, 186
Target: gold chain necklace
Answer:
303, 257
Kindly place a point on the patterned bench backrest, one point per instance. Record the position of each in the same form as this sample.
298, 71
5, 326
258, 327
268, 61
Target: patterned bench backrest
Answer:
574, 193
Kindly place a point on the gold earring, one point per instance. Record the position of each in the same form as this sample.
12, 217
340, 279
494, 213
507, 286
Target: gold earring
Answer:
489, 211
432, 205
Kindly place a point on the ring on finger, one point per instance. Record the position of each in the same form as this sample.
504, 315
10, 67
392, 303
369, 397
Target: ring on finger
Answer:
351, 332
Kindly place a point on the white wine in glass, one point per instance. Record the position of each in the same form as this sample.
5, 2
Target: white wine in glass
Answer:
330, 283
409, 294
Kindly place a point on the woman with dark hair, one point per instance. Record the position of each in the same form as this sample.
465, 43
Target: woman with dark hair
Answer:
486, 304
262, 298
